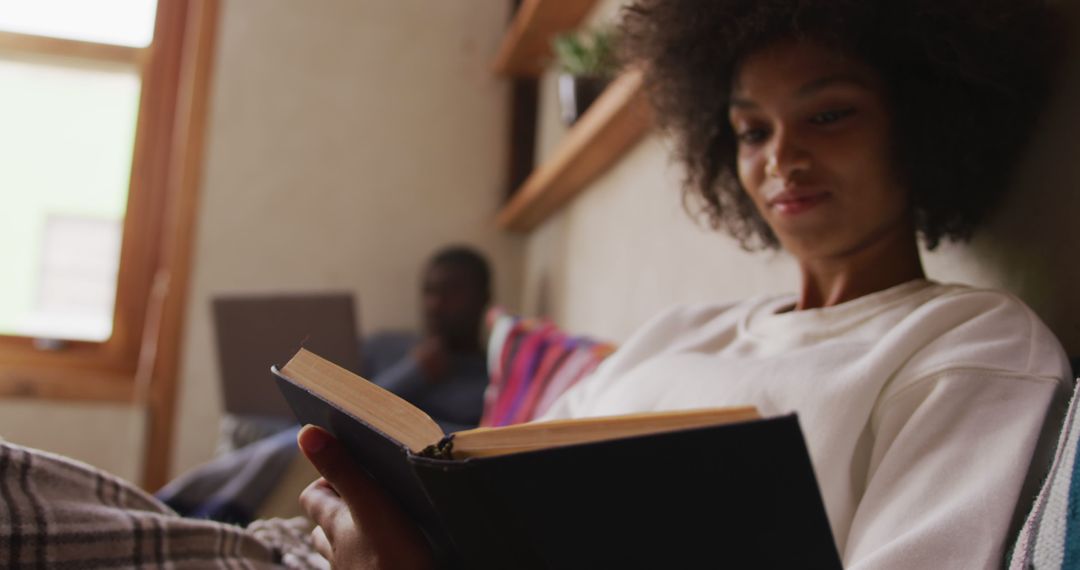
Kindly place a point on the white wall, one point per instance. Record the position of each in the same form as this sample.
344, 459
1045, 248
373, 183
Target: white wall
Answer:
348, 140
625, 249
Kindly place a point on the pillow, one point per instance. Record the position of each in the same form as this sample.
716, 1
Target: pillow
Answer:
531, 362
1050, 538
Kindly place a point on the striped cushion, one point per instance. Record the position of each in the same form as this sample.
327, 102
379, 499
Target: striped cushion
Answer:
531, 362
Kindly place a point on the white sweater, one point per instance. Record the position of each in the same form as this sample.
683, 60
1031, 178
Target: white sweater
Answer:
921, 405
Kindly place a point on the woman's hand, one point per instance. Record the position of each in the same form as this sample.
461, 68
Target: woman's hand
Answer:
358, 525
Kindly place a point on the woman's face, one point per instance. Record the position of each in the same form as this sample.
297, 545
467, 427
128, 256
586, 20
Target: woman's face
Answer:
814, 152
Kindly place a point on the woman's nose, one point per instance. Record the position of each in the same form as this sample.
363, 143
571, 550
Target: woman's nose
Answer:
786, 157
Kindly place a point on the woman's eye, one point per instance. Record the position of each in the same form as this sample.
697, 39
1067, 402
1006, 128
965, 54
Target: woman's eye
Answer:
752, 136
827, 117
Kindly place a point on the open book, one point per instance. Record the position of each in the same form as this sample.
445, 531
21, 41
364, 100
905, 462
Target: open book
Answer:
642, 489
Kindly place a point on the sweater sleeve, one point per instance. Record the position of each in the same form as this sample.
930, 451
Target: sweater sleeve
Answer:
950, 456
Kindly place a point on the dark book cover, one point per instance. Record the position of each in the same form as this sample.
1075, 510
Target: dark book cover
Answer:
739, 495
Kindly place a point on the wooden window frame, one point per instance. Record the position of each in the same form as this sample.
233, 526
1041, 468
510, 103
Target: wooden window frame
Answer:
105, 370
139, 363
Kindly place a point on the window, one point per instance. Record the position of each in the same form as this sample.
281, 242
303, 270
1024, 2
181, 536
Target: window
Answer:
92, 122
69, 120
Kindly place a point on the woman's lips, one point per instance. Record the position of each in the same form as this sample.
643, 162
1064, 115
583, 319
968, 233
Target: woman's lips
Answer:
792, 203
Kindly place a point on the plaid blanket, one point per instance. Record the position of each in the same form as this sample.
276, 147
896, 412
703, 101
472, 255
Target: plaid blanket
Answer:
59, 513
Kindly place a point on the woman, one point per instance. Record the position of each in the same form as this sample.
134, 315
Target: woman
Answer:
840, 131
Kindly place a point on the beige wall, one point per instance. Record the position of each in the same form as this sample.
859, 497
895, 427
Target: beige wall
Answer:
107, 435
348, 140
626, 249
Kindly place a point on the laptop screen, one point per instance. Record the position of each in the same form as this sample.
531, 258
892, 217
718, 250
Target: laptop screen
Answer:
256, 331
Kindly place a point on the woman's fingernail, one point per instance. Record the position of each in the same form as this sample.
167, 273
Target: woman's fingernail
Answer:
312, 439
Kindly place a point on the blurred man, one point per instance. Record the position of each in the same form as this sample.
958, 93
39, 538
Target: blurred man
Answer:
442, 371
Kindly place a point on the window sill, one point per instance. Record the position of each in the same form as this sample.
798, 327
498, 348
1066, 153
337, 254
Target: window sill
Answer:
66, 384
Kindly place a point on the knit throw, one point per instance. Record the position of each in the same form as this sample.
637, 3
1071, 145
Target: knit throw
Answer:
1050, 538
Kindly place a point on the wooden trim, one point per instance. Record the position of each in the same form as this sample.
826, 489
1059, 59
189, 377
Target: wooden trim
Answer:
157, 379
55, 384
44, 45
618, 119
25, 351
77, 371
144, 223
526, 47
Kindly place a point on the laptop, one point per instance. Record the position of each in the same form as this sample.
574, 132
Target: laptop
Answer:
255, 331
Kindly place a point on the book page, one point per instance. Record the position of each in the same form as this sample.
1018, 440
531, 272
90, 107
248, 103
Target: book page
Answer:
364, 400
485, 442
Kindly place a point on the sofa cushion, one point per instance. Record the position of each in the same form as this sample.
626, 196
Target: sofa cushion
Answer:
1050, 537
531, 362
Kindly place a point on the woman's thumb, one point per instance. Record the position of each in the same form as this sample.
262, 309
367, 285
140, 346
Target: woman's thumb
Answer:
333, 463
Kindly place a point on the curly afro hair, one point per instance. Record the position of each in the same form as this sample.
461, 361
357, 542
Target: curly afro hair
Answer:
965, 81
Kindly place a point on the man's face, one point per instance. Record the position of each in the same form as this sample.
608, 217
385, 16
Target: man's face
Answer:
453, 303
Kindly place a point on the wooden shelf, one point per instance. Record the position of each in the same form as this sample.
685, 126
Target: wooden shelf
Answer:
526, 47
614, 123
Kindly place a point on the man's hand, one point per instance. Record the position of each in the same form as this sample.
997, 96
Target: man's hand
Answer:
358, 525
433, 358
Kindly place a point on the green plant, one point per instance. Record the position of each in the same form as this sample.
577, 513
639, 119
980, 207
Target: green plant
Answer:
589, 52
